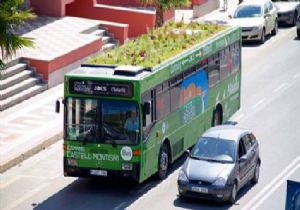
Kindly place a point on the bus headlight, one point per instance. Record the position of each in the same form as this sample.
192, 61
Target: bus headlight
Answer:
127, 166
72, 162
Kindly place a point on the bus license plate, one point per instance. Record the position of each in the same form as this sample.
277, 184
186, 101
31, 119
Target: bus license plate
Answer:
98, 172
200, 189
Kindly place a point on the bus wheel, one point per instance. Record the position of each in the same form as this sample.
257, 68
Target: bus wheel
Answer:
163, 162
217, 117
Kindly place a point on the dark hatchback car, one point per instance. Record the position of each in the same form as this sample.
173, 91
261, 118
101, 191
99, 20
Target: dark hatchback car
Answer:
223, 160
288, 12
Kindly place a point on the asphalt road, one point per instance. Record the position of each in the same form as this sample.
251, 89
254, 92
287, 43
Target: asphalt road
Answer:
270, 107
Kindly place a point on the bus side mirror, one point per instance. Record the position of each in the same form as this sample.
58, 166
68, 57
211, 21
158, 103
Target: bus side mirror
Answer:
147, 107
57, 106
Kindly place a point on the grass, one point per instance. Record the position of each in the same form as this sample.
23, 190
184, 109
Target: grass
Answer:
158, 45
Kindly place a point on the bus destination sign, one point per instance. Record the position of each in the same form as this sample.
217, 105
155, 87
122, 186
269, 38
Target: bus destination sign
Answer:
102, 88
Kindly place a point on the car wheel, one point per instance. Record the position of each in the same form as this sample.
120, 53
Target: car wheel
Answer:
275, 29
232, 197
298, 33
163, 162
262, 38
256, 174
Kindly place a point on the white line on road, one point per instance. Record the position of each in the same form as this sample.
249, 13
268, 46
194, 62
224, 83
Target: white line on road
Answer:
239, 117
272, 186
14, 125
26, 196
34, 116
259, 103
279, 88
120, 206
4, 135
296, 75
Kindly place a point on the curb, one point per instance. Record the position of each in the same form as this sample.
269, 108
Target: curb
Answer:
21, 157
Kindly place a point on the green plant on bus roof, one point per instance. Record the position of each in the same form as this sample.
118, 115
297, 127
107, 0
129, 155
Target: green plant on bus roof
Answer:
158, 45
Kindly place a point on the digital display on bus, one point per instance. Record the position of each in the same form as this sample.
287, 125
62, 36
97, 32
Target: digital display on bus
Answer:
100, 88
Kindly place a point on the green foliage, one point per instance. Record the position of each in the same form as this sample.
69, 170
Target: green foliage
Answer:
162, 5
10, 18
158, 45
166, 4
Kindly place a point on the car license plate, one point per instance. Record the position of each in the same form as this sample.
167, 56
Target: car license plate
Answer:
98, 172
200, 189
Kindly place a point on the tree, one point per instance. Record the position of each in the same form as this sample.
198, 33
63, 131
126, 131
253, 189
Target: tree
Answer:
10, 18
163, 5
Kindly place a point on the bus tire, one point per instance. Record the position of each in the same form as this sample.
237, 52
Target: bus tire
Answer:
163, 162
217, 117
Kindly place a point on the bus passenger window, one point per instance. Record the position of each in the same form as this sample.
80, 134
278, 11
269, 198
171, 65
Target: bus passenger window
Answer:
213, 70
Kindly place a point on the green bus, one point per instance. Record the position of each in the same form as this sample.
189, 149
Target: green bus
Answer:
133, 121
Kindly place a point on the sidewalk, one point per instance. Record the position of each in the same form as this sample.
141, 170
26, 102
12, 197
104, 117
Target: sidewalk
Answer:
220, 15
33, 124
29, 127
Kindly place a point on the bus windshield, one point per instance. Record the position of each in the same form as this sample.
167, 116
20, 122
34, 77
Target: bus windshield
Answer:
102, 121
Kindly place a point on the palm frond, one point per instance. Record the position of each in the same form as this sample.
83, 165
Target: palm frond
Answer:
11, 43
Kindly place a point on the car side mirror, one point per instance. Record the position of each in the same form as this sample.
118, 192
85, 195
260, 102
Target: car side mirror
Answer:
243, 159
230, 16
187, 153
267, 15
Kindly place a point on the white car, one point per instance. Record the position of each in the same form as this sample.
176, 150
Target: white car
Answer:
257, 18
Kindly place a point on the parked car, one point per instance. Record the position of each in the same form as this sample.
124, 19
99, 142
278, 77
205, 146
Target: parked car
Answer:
257, 18
223, 160
288, 12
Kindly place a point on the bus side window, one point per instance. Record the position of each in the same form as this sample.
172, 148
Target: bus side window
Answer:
213, 69
147, 118
235, 50
225, 63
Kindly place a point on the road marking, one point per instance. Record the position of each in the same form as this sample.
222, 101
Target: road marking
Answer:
296, 75
120, 206
239, 117
279, 88
259, 103
4, 135
34, 116
26, 196
13, 125
7, 183
32, 122
272, 186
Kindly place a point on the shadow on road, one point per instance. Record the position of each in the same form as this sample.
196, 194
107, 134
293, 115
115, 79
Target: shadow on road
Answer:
101, 194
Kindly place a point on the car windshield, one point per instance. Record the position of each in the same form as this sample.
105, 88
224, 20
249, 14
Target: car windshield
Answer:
214, 149
102, 121
247, 11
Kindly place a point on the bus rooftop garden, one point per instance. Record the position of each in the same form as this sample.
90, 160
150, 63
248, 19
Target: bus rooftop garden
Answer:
133, 111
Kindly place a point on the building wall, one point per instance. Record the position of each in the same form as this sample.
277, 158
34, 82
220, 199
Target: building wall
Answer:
139, 21
121, 3
50, 7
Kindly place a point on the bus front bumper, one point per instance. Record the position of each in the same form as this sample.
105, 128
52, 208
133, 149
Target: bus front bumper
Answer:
73, 171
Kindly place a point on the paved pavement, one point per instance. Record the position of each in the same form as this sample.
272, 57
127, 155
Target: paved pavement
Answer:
29, 127
33, 124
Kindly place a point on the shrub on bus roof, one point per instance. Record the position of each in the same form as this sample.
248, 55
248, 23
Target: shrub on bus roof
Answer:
158, 45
